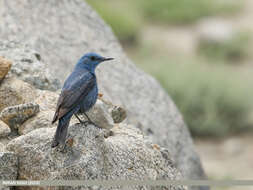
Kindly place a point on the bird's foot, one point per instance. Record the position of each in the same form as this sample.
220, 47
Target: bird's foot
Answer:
86, 123
90, 122
61, 148
80, 121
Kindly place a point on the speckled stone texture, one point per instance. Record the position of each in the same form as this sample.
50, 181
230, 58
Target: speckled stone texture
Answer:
5, 66
14, 116
124, 154
4, 129
27, 65
8, 166
42, 120
14, 91
118, 113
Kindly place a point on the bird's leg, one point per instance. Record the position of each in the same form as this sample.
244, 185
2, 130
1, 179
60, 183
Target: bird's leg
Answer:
79, 119
61, 148
89, 120
83, 122
87, 117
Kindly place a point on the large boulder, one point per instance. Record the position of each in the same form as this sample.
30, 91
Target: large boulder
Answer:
63, 31
93, 154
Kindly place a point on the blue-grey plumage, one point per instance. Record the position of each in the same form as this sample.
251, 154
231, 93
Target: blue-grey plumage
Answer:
79, 94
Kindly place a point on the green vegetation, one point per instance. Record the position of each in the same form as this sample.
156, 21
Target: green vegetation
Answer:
232, 50
126, 17
214, 101
185, 11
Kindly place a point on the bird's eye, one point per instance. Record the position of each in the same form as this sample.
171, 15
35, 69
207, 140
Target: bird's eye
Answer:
92, 58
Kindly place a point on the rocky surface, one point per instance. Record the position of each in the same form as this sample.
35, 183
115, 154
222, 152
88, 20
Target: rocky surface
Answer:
124, 154
9, 166
2, 147
27, 65
61, 45
15, 116
5, 66
100, 115
42, 120
117, 113
4, 130
46, 99
14, 91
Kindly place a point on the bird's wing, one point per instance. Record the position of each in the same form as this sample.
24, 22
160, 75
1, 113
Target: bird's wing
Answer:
71, 96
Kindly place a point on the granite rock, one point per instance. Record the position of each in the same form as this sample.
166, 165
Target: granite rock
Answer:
28, 66
91, 154
14, 91
4, 129
9, 166
14, 116
5, 66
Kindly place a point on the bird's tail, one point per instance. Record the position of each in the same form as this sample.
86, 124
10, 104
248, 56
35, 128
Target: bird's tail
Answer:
61, 132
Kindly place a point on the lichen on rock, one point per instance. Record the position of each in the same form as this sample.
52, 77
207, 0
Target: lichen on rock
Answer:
14, 116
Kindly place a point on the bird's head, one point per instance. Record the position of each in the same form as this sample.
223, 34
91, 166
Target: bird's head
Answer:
91, 60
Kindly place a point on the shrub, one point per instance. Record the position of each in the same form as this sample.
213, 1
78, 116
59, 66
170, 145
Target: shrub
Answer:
214, 102
234, 49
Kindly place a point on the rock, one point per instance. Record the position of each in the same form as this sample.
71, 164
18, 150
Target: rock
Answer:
14, 116
14, 92
4, 129
127, 154
100, 116
61, 45
118, 113
2, 147
5, 66
42, 120
28, 66
9, 166
5, 188
46, 99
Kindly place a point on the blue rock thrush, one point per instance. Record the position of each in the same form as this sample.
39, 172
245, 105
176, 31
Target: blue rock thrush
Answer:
78, 95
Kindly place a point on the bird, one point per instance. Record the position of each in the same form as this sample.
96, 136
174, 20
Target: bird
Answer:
79, 94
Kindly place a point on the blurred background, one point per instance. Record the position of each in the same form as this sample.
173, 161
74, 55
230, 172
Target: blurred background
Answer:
200, 52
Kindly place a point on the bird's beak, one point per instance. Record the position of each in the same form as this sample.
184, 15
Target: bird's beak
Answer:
107, 59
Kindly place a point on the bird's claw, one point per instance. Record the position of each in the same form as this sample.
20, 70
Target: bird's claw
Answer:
86, 123
90, 122
61, 148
